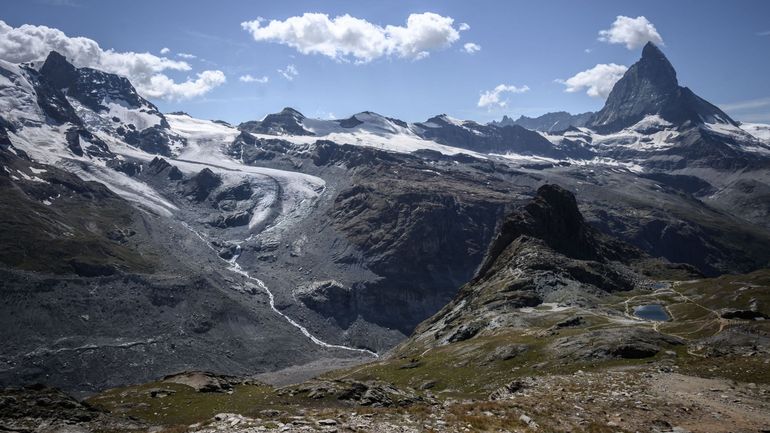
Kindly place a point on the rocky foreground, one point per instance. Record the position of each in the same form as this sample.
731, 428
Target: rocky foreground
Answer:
648, 398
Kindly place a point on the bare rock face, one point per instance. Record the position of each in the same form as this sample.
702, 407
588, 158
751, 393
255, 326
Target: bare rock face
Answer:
200, 186
58, 71
423, 240
203, 381
552, 216
331, 299
370, 393
649, 87
618, 343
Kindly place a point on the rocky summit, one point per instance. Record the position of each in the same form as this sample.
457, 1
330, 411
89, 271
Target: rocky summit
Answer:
607, 271
650, 87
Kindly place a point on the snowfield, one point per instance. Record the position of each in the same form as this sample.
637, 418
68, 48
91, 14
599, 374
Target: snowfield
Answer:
758, 130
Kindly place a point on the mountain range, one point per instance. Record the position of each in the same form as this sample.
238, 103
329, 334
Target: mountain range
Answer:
138, 244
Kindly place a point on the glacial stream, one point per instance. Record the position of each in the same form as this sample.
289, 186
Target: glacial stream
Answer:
236, 268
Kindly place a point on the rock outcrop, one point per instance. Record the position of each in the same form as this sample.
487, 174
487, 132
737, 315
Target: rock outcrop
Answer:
544, 252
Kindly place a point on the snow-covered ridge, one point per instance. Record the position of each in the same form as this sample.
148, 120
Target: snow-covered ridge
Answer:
653, 133
374, 131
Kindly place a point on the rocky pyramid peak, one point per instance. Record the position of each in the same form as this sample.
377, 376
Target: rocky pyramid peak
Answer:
655, 67
650, 87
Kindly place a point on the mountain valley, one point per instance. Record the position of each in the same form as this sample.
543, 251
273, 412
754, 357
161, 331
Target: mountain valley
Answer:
370, 274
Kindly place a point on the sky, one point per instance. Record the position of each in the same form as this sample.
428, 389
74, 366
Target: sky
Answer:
240, 60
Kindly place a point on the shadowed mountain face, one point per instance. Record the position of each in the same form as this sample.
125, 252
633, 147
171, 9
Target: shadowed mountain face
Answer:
553, 217
650, 87
549, 122
544, 252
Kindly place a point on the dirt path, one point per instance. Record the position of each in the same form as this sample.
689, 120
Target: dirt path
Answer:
718, 405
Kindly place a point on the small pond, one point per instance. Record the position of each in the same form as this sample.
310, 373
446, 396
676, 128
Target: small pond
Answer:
654, 312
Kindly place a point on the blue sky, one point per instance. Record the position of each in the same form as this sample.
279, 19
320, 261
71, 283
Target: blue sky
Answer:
721, 50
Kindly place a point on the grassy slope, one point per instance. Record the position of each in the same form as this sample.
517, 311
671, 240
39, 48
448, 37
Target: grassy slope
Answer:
73, 228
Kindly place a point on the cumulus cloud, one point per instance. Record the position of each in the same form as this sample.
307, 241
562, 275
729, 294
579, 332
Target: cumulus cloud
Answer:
464, 26
248, 78
161, 86
597, 81
493, 98
471, 48
633, 32
186, 55
29, 43
345, 37
290, 72
165, 50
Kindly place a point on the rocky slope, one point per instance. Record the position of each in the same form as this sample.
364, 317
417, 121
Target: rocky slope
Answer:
702, 370
544, 253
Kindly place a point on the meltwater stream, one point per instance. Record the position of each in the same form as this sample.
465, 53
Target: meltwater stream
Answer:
236, 268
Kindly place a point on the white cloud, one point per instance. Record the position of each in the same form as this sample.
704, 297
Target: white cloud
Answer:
464, 26
633, 32
471, 48
345, 37
746, 105
248, 78
597, 81
28, 43
165, 50
492, 98
290, 72
187, 56
765, 33
161, 86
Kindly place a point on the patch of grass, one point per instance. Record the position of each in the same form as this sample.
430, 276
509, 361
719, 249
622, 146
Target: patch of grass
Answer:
739, 368
184, 405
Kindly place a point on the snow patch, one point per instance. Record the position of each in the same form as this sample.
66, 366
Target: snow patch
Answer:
127, 114
758, 130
